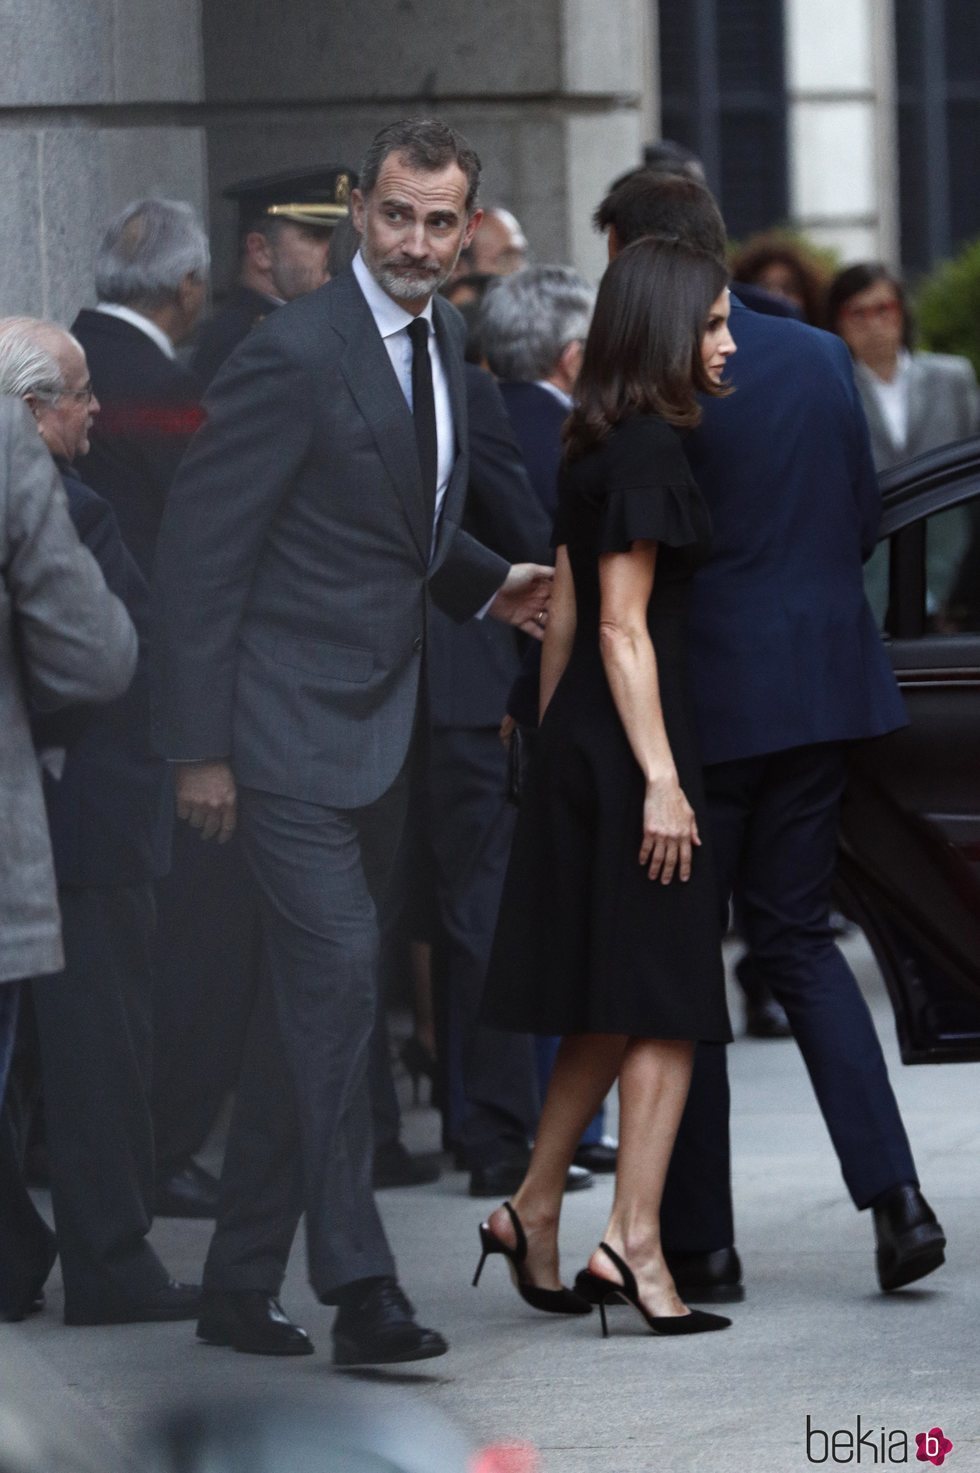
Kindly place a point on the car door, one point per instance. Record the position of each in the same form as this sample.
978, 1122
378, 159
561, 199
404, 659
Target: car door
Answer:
910, 843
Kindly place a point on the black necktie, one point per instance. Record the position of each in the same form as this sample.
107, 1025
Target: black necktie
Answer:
424, 411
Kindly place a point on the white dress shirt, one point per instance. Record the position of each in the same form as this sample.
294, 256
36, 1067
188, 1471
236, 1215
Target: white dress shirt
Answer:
393, 323
565, 400
136, 319
893, 399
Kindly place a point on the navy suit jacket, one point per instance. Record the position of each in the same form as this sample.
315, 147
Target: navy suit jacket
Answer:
472, 666
783, 649
537, 417
111, 813
150, 408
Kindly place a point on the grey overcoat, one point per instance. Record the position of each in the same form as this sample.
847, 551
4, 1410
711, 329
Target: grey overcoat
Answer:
64, 639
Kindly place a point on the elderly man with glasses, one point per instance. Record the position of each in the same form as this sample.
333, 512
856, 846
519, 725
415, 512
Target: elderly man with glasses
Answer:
109, 812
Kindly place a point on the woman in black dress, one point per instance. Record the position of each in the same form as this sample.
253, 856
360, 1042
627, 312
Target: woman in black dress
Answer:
608, 931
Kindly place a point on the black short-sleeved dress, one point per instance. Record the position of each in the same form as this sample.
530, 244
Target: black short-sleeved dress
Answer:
586, 942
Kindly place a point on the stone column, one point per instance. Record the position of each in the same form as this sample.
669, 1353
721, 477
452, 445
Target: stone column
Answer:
843, 156
95, 102
556, 97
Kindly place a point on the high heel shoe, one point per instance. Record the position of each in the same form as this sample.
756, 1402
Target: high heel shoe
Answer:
598, 1290
419, 1063
552, 1301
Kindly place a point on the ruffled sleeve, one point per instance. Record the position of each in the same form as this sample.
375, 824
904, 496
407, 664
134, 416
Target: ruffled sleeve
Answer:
650, 494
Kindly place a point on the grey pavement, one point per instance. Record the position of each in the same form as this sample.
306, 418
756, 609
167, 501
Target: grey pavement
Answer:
813, 1338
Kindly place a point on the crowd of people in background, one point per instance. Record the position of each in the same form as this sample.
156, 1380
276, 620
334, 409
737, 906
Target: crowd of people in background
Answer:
177, 643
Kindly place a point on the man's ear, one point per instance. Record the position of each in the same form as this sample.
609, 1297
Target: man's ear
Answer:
570, 362
257, 249
612, 242
472, 226
357, 206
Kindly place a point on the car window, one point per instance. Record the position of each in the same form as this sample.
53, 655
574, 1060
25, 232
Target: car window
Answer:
951, 549
953, 569
876, 582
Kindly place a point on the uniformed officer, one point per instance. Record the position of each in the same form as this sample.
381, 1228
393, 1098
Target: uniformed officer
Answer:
285, 225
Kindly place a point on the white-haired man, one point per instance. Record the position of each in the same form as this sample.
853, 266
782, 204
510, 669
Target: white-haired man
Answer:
151, 274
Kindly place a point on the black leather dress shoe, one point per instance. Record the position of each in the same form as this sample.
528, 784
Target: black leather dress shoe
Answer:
502, 1178
189, 1192
173, 1301
18, 1302
909, 1242
599, 1157
379, 1329
708, 1278
251, 1321
396, 1167
766, 1018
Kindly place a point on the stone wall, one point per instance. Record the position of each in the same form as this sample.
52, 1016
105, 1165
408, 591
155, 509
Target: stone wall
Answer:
555, 96
97, 107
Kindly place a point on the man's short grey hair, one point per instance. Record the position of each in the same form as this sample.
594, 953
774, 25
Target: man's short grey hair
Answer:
146, 252
28, 364
428, 144
527, 319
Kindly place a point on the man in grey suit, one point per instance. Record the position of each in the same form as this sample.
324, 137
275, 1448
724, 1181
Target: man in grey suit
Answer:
313, 523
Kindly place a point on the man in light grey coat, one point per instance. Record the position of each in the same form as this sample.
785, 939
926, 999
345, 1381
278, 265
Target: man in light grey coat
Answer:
64, 639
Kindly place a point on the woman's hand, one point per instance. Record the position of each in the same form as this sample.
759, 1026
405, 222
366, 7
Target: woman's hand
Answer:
670, 831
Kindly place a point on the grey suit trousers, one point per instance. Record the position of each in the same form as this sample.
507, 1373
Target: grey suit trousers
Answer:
301, 1134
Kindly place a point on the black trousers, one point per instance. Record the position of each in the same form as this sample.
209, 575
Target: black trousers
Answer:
206, 957
774, 823
301, 1135
93, 1023
492, 1091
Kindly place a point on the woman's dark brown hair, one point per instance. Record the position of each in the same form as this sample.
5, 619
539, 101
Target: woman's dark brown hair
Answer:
643, 352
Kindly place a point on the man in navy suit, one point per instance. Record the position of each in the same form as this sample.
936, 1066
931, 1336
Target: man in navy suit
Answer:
787, 669
151, 273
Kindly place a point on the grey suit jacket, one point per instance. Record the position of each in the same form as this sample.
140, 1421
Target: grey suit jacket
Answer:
295, 566
944, 405
64, 638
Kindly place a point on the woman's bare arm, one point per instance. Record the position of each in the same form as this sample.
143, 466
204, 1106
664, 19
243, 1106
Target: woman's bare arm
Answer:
669, 826
560, 631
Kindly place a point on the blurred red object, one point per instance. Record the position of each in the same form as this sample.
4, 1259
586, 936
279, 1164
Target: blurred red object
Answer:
506, 1457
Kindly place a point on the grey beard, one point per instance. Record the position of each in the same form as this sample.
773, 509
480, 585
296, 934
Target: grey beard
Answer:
409, 288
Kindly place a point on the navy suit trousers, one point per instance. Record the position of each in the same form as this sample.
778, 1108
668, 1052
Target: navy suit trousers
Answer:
774, 829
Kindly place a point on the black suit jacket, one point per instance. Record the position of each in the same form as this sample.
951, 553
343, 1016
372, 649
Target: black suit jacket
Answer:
296, 569
111, 812
537, 418
150, 408
473, 665
219, 338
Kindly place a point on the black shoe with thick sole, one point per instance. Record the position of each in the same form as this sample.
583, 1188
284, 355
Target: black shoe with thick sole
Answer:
599, 1157
766, 1018
502, 1178
171, 1301
909, 1242
252, 1321
379, 1329
708, 1278
396, 1167
188, 1192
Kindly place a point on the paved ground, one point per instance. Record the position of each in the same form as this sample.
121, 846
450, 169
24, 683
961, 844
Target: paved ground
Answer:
814, 1337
